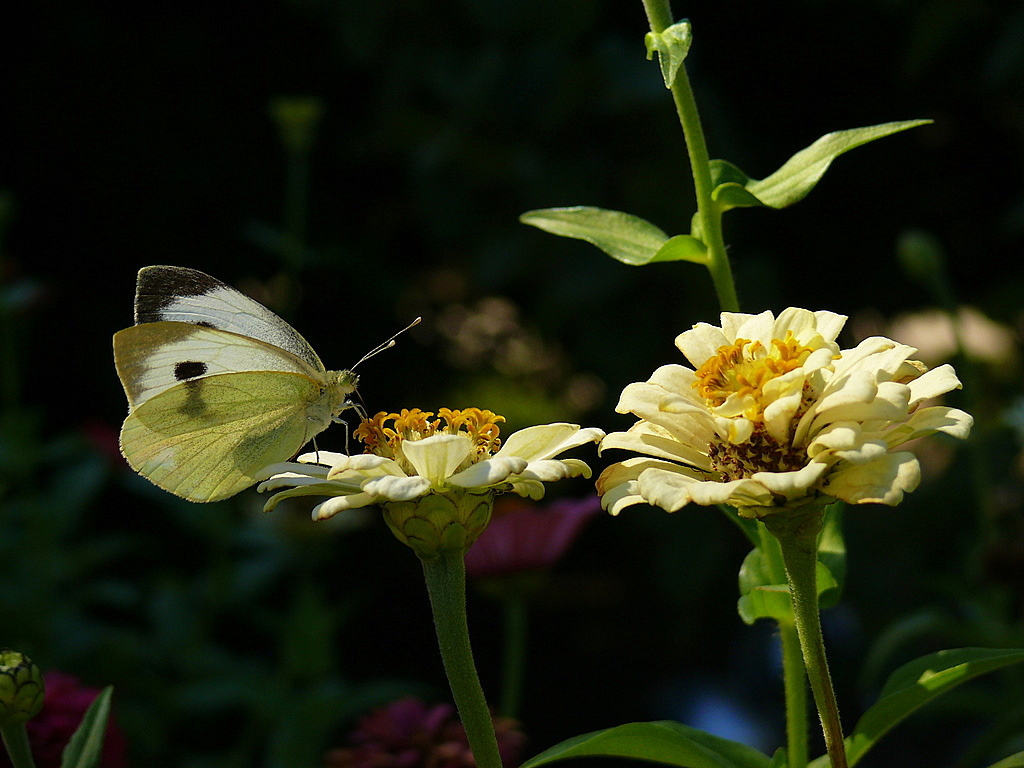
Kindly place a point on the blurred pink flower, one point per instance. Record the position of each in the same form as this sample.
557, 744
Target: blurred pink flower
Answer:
525, 536
410, 734
63, 709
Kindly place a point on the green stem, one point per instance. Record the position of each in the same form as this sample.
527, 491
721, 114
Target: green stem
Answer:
797, 532
793, 679
16, 740
709, 216
795, 685
515, 609
446, 584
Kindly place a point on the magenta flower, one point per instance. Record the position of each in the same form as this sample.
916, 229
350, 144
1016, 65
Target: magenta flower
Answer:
523, 536
410, 734
63, 709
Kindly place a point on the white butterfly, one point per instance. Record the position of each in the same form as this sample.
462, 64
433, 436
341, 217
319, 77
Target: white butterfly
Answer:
218, 386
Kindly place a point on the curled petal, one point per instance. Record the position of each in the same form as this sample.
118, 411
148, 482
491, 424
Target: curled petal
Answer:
792, 484
925, 421
883, 480
331, 507
533, 489
549, 470
547, 441
392, 488
933, 383
673, 490
298, 488
488, 472
654, 440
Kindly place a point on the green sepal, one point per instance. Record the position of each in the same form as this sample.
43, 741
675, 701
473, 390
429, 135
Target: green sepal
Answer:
86, 745
622, 236
732, 188
672, 45
915, 684
780, 759
660, 742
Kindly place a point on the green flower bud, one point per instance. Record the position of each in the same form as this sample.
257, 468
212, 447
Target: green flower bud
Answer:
21, 688
439, 523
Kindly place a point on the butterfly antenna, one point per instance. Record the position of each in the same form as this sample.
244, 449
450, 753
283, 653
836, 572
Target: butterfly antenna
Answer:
386, 344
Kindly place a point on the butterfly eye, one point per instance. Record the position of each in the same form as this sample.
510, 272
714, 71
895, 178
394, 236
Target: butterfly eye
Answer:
189, 369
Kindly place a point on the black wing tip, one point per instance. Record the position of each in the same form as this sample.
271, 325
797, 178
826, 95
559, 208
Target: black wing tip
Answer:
159, 285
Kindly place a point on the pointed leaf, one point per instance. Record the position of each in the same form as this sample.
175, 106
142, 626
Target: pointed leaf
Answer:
672, 45
915, 684
802, 171
661, 742
732, 188
86, 745
622, 236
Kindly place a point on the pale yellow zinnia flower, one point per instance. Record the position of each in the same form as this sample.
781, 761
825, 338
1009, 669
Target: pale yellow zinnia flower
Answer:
774, 415
434, 478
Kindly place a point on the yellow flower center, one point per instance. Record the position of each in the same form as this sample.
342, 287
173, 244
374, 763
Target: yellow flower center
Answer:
384, 433
745, 367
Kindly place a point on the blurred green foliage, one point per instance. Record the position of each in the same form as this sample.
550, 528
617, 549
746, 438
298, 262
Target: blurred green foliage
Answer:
134, 137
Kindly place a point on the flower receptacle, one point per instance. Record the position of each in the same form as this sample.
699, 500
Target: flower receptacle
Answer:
440, 523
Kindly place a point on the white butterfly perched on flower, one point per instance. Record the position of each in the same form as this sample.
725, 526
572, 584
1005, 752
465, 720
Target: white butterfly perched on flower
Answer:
218, 386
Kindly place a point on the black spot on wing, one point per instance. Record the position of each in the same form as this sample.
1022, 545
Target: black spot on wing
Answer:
159, 286
205, 324
189, 369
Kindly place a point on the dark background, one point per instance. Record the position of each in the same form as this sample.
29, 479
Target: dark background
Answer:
132, 137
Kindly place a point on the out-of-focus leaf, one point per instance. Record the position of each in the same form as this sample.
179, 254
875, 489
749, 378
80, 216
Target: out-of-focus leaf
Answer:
915, 684
86, 745
1013, 761
661, 742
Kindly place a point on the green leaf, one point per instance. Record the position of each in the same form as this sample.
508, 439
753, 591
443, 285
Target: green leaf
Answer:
1013, 761
915, 684
771, 601
799, 175
672, 45
682, 248
661, 742
832, 553
83, 751
622, 236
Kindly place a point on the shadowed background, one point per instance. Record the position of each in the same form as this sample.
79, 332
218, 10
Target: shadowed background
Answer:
418, 134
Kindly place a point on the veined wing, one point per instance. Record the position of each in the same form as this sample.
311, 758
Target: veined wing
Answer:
154, 357
205, 439
185, 295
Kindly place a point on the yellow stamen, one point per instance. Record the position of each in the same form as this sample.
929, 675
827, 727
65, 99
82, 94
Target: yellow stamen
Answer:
744, 367
481, 426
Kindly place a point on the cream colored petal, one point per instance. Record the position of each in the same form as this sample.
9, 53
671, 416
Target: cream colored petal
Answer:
315, 488
533, 489
365, 463
328, 458
292, 469
841, 436
620, 497
928, 421
889, 403
802, 322
794, 484
392, 488
630, 469
678, 379
735, 431
550, 470
933, 383
654, 440
883, 481
672, 491
778, 416
437, 457
867, 451
754, 327
650, 401
548, 440
829, 324
292, 480
488, 472
701, 343
331, 507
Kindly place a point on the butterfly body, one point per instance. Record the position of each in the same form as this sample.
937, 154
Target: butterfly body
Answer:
218, 386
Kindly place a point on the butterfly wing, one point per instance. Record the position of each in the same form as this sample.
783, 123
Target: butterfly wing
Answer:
204, 439
183, 295
155, 357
